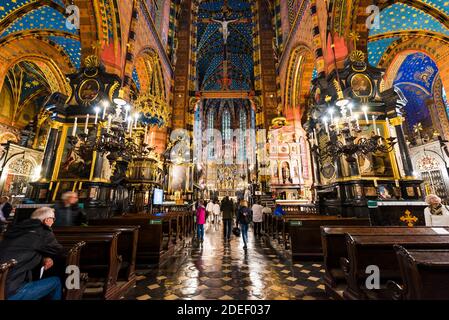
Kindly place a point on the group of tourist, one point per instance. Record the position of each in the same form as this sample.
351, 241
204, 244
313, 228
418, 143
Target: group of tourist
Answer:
227, 211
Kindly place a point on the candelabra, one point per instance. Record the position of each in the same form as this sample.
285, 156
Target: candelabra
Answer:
116, 138
344, 136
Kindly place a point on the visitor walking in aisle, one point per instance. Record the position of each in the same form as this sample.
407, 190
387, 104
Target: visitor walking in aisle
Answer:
257, 218
227, 207
200, 220
244, 219
216, 211
209, 210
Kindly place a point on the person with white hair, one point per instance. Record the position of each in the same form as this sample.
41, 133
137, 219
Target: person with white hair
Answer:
436, 214
68, 212
33, 245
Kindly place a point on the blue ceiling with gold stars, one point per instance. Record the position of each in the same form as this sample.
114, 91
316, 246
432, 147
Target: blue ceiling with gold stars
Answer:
42, 18
402, 17
415, 78
210, 47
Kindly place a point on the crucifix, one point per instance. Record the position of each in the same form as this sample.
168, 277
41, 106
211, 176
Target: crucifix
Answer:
224, 29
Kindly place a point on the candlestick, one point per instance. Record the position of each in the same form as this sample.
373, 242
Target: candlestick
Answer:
86, 130
75, 125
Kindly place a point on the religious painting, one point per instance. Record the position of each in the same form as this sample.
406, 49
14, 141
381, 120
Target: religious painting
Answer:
388, 192
370, 192
89, 90
179, 178
361, 86
76, 162
376, 164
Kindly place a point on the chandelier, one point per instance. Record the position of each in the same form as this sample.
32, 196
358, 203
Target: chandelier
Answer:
116, 133
344, 135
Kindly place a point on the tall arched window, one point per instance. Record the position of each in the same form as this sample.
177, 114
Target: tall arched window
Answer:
197, 133
226, 126
253, 136
242, 138
210, 133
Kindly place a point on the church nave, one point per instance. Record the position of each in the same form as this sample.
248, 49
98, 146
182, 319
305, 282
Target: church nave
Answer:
227, 272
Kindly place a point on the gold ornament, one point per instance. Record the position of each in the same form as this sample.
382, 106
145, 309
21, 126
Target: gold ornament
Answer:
92, 61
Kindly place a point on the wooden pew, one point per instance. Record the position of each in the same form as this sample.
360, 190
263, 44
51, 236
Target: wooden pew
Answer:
100, 260
305, 233
73, 255
366, 250
4, 269
154, 244
126, 248
334, 247
424, 274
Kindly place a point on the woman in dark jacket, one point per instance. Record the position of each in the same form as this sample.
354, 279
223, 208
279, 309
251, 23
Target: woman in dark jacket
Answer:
244, 219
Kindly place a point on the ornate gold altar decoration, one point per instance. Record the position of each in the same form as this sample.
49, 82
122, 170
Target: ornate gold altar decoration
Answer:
153, 107
409, 219
279, 122
146, 170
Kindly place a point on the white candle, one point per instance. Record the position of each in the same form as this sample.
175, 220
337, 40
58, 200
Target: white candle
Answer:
105, 106
109, 122
86, 125
374, 123
75, 126
350, 110
315, 137
388, 122
365, 112
97, 110
378, 131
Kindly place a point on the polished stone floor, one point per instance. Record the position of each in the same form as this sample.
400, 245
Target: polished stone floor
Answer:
227, 272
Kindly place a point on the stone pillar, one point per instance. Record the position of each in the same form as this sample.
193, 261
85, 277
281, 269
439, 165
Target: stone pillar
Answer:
48, 162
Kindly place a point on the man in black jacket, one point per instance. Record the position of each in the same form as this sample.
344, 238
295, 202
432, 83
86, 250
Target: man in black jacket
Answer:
227, 207
31, 243
68, 213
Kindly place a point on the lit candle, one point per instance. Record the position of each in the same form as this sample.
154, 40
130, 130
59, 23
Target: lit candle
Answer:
97, 111
365, 112
86, 130
127, 108
75, 126
337, 120
129, 123
326, 126
109, 122
105, 106
388, 122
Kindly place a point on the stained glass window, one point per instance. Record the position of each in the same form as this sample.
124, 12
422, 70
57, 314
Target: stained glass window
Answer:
226, 126
242, 138
210, 134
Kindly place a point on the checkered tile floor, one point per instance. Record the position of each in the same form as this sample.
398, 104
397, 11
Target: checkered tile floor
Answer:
227, 272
